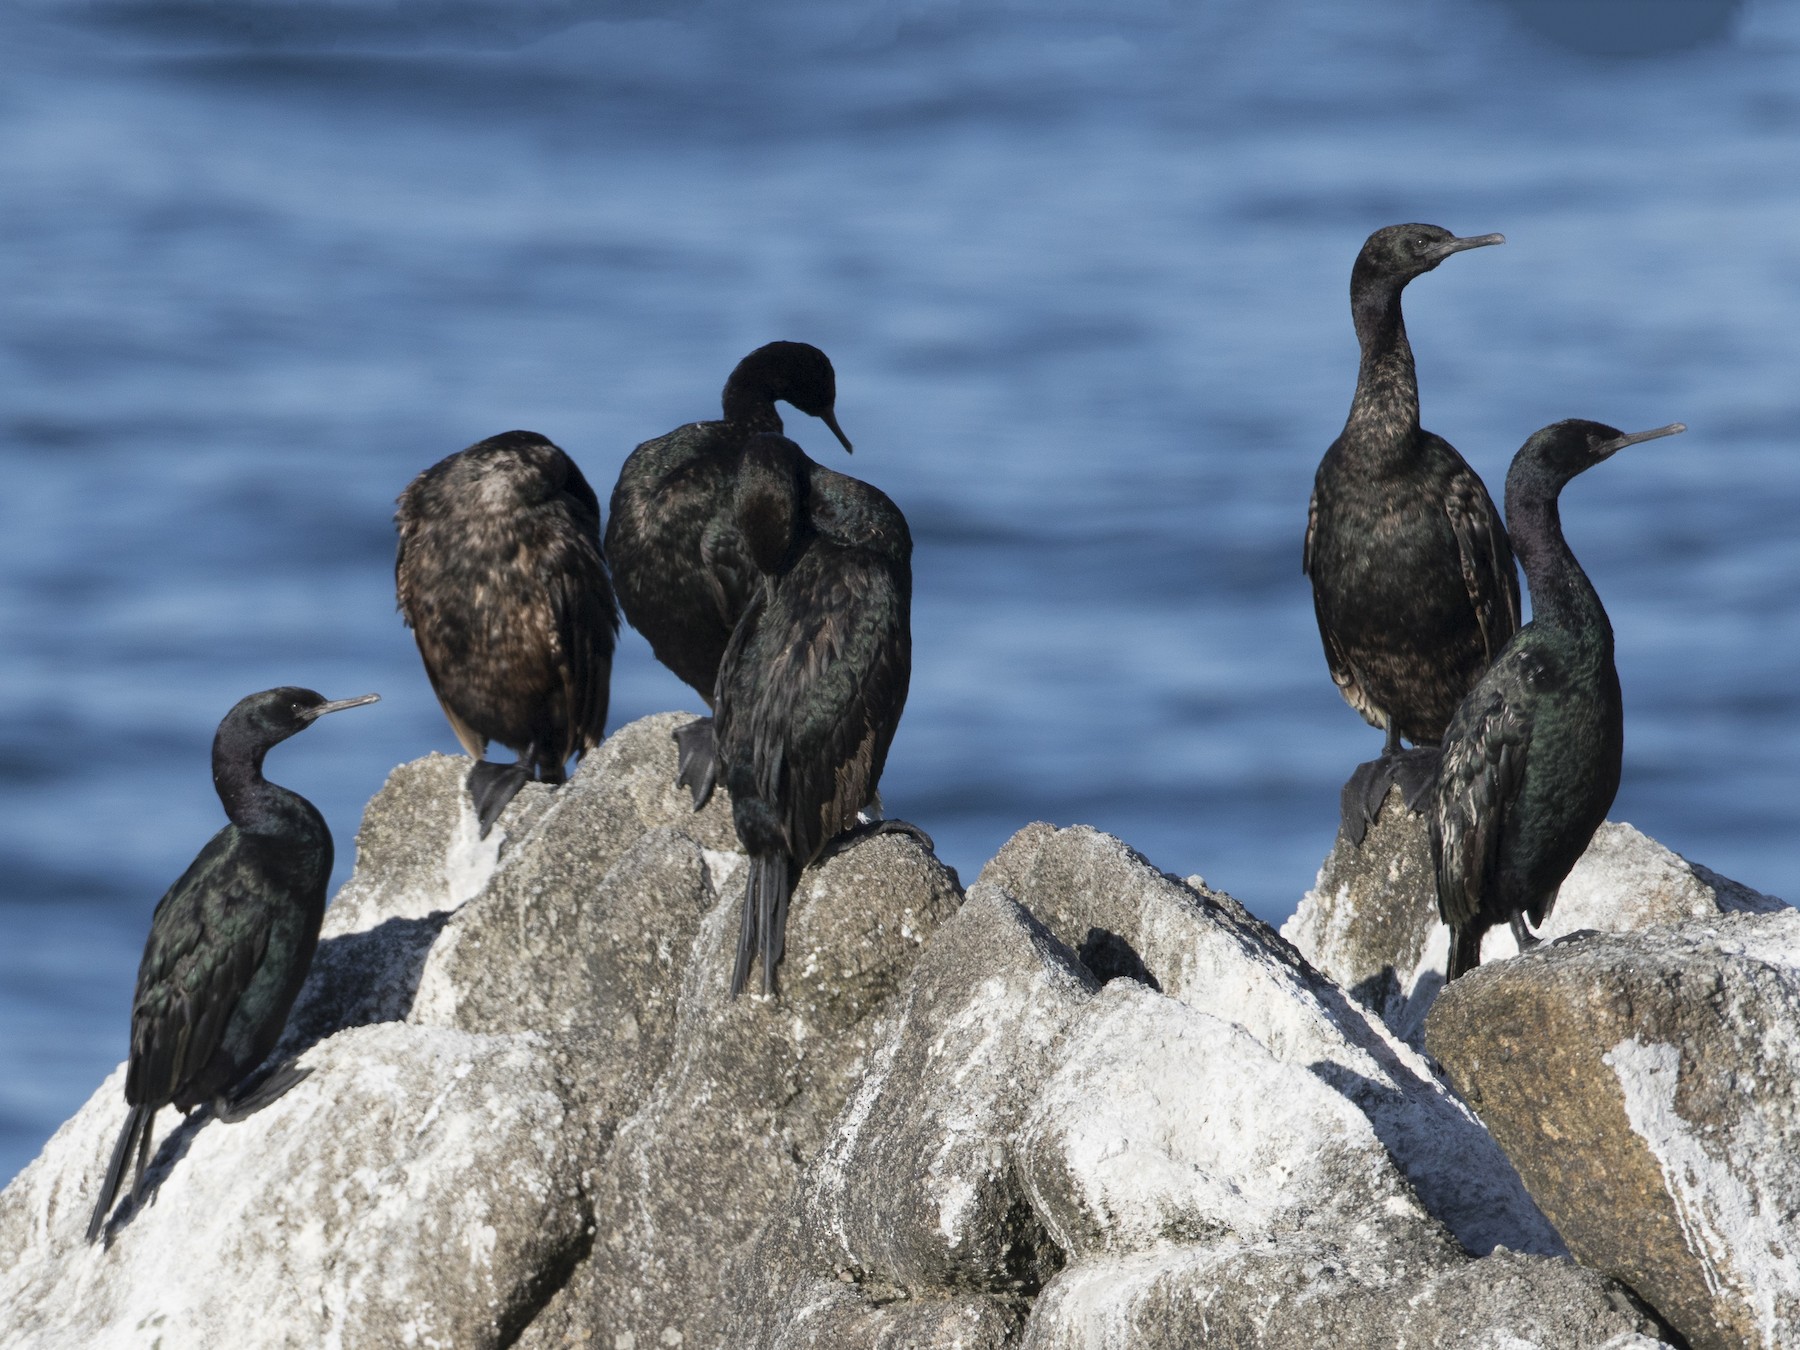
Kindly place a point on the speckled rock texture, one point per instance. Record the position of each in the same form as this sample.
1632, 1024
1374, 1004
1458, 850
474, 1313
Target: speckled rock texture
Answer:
1645, 1084
1371, 922
1088, 1105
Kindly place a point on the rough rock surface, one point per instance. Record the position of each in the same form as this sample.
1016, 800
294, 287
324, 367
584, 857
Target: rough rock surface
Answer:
1092, 1105
1646, 1087
1371, 922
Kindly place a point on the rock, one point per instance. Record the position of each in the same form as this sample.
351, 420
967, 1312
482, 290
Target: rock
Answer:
1300, 1293
1205, 949
1371, 921
418, 1188
717, 1145
1645, 1084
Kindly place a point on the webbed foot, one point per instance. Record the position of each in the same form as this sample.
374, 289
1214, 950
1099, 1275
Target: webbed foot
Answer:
492, 786
256, 1092
697, 760
868, 829
1413, 771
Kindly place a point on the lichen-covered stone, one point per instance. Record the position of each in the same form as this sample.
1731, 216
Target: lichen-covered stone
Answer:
1646, 1086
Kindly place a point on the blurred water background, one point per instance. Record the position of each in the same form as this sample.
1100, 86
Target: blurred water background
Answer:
1082, 265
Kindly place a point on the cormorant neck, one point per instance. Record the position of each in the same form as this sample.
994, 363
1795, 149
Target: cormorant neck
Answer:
254, 804
1385, 410
1562, 597
749, 402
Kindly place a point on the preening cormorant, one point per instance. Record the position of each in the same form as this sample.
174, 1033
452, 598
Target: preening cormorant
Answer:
229, 943
813, 683
501, 578
1531, 760
672, 536
1412, 577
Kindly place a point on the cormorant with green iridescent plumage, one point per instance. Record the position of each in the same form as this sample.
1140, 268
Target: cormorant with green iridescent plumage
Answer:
501, 578
1412, 578
813, 683
1531, 759
672, 540
230, 943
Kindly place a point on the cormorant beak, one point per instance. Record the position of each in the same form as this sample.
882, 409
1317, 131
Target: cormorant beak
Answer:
1614, 446
341, 704
829, 418
1449, 246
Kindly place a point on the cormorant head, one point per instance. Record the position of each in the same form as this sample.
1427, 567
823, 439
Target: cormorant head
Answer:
1398, 253
1564, 449
794, 372
272, 716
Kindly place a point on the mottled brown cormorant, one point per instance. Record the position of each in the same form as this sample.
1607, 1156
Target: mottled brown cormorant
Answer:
1412, 577
501, 578
230, 943
672, 536
813, 683
1531, 760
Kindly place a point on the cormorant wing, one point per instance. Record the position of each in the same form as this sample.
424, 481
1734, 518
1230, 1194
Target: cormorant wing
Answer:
207, 939
409, 602
1489, 574
1342, 674
831, 693
584, 613
1479, 776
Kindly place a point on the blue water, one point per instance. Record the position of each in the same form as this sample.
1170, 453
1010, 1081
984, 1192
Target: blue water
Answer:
1082, 267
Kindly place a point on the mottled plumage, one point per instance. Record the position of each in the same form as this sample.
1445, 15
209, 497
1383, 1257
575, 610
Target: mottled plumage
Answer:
230, 942
813, 683
1412, 575
1531, 759
500, 576
678, 558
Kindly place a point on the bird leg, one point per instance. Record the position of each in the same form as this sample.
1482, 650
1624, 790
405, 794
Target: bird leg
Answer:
1523, 935
492, 786
256, 1092
697, 759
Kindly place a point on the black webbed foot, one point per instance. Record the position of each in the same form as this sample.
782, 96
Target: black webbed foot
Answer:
492, 786
1414, 772
697, 762
257, 1091
868, 829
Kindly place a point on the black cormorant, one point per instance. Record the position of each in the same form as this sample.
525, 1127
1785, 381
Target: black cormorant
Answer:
672, 536
1412, 577
1530, 763
813, 683
230, 943
501, 578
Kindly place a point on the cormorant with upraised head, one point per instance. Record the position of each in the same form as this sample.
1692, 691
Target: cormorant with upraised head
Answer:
230, 943
813, 683
501, 578
672, 537
1531, 760
1412, 577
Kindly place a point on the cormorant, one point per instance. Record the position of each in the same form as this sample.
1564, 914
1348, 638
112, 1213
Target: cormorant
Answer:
672, 536
230, 942
501, 578
1412, 577
813, 683
1531, 760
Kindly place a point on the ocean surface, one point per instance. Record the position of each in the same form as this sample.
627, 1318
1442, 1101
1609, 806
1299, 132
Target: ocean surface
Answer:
1082, 267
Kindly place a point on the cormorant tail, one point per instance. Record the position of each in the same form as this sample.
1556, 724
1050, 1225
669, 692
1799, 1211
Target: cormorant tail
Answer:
763, 924
1465, 951
135, 1133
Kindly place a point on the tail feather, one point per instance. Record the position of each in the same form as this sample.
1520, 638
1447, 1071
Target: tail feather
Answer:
1465, 950
763, 924
135, 1133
